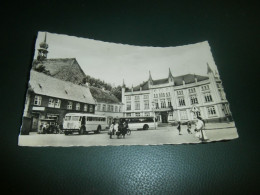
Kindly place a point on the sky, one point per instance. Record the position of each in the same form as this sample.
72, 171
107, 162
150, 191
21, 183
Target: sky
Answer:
113, 62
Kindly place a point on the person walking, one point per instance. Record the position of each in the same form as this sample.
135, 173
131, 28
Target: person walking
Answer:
179, 127
199, 129
189, 127
111, 129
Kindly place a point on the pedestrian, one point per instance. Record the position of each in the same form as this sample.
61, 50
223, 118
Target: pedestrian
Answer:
200, 133
179, 127
116, 129
189, 127
111, 129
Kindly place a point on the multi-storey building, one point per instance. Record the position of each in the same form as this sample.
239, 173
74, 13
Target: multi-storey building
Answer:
106, 104
179, 98
51, 98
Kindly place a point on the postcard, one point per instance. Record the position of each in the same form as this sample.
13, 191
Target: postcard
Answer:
85, 92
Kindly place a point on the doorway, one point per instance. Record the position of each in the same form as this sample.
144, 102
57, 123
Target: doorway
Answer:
164, 116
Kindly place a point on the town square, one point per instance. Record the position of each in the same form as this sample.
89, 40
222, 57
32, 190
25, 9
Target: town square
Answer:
72, 102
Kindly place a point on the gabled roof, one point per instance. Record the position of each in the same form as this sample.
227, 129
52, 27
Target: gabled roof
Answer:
103, 96
66, 69
43, 84
188, 78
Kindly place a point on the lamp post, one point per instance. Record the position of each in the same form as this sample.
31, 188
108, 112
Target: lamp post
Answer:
153, 109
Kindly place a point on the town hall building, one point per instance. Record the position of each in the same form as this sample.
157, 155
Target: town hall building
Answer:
180, 98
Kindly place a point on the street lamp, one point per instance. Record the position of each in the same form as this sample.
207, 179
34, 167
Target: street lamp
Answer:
153, 109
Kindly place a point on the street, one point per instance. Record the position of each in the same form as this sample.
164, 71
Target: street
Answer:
161, 135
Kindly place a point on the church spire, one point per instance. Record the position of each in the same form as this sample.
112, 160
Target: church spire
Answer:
150, 80
209, 69
123, 83
150, 76
42, 51
170, 74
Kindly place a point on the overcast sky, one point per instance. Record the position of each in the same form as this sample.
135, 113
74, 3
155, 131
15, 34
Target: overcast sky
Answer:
114, 62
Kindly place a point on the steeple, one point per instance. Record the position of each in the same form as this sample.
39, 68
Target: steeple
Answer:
123, 83
170, 77
209, 69
42, 51
170, 74
150, 80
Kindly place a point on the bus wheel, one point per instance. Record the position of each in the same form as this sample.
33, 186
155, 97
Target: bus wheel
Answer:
82, 130
145, 127
98, 129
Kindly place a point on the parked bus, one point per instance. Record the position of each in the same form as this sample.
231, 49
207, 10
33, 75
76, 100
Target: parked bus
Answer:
83, 123
144, 123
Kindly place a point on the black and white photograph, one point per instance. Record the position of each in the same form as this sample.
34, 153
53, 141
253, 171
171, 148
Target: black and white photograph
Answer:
85, 92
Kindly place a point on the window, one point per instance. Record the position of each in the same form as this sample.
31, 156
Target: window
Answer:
169, 103
104, 107
112, 108
128, 114
69, 106
51, 103
146, 104
128, 98
137, 114
37, 100
163, 104
222, 94
147, 114
205, 87
208, 97
146, 96
91, 109
78, 106
168, 94
128, 105
116, 109
184, 115
98, 107
181, 101
156, 104
211, 111
179, 92
57, 103
85, 107
193, 99
155, 95
137, 97
137, 105
119, 108
192, 90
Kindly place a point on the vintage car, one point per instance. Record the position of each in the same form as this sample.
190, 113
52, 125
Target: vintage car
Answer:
49, 126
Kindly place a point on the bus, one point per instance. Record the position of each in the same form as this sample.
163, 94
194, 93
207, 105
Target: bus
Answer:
135, 123
83, 123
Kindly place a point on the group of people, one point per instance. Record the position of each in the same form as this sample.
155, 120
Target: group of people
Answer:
118, 128
199, 126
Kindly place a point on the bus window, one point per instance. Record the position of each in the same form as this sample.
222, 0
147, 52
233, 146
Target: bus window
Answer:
89, 119
67, 118
75, 118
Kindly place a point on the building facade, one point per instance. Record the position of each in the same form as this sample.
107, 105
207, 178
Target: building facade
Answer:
181, 98
51, 98
106, 104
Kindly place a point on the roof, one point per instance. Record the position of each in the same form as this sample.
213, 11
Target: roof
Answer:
66, 69
188, 78
43, 84
103, 96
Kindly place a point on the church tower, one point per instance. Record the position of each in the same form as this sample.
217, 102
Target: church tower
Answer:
150, 80
42, 51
